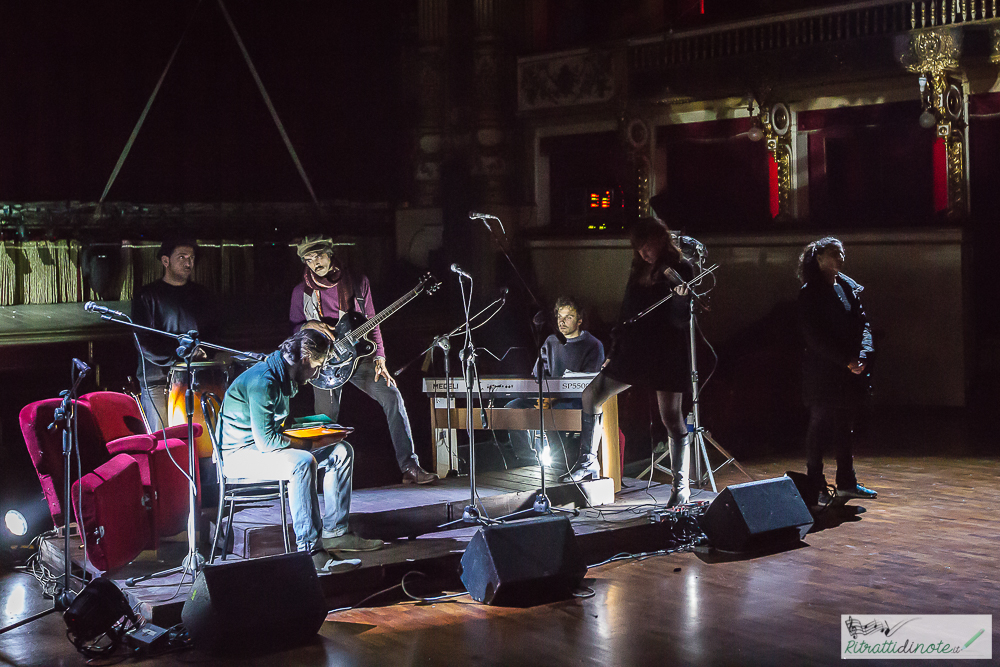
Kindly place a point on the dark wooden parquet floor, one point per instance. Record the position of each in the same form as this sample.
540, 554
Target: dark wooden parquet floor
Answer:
928, 545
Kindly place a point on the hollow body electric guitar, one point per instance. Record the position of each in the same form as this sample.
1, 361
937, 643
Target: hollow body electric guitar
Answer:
352, 343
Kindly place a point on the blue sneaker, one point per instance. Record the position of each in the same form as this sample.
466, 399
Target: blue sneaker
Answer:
857, 491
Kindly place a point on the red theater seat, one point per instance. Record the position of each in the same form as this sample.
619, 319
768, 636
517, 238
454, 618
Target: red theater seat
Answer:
161, 509
116, 525
118, 418
45, 448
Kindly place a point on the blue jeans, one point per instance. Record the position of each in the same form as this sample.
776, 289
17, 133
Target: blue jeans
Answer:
154, 403
301, 468
327, 402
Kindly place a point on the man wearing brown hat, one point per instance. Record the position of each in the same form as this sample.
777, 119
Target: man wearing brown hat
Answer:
327, 291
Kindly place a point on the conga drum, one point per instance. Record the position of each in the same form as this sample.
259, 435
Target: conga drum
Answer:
207, 377
238, 364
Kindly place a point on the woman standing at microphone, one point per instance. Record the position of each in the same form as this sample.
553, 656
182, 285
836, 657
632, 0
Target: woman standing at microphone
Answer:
653, 352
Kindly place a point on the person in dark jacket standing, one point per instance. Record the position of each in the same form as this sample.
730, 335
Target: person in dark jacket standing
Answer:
835, 370
653, 352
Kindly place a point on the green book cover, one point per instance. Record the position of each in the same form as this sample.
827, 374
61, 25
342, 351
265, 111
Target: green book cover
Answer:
311, 421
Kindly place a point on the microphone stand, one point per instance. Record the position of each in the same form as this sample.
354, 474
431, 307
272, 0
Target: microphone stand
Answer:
541, 504
502, 299
444, 343
700, 434
471, 514
445, 346
64, 417
188, 345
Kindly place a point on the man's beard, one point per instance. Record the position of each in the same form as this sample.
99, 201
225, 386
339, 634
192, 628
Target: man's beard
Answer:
301, 372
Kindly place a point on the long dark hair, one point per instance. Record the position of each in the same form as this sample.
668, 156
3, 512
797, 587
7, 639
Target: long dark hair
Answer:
653, 229
808, 270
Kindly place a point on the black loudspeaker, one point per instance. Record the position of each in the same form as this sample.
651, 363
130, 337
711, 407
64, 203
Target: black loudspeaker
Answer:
262, 603
757, 515
523, 563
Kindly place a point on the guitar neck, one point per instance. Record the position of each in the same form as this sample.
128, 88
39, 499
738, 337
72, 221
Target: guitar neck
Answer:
377, 319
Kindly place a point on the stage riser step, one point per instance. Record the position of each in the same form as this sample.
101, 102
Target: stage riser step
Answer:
255, 534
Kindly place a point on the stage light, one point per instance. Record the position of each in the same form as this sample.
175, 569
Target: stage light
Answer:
546, 457
98, 618
16, 523
14, 606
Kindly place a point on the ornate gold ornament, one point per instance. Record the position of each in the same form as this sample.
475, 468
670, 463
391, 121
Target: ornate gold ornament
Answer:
934, 55
934, 50
774, 126
956, 172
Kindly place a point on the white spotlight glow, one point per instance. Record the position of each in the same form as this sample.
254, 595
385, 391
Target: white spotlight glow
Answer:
16, 523
546, 456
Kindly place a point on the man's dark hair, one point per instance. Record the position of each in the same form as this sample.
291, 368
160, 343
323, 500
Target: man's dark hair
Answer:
570, 301
305, 343
168, 246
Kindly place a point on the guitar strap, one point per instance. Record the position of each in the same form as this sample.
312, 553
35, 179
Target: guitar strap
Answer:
357, 302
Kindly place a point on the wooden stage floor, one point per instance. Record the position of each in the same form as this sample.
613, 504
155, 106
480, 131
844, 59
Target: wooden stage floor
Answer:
410, 520
927, 545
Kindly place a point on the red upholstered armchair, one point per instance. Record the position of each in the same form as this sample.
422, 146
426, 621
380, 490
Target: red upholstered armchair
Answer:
118, 416
115, 415
45, 448
165, 486
116, 520
109, 502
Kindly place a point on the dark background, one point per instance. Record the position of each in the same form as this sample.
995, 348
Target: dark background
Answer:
77, 76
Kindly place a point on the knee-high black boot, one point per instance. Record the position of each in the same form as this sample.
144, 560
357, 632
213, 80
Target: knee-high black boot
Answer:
679, 469
586, 466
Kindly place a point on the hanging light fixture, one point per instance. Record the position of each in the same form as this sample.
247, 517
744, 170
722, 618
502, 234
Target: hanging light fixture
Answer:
927, 119
756, 131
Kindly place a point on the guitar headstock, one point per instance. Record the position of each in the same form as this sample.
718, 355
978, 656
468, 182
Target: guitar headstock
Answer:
428, 283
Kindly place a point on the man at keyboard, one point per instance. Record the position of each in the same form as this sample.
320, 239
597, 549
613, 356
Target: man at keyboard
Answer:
575, 350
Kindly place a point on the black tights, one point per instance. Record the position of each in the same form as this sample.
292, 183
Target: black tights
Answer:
831, 429
602, 388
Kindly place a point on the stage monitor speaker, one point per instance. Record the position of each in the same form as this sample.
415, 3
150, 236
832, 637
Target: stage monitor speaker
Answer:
258, 604
523, 563
756, 516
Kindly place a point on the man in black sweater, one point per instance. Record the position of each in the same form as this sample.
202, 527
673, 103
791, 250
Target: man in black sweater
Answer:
575, 350
173, 304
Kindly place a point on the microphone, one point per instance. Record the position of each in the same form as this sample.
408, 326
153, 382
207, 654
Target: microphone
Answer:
474, 215
92, 307
541, 320
81, 367
455, 268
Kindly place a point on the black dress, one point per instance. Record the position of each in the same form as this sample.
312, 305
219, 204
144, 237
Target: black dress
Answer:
655, 351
